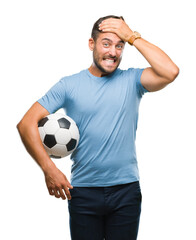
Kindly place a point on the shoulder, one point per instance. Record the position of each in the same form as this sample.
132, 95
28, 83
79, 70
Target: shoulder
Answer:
73, 77
134, 76
71, 82
132, 71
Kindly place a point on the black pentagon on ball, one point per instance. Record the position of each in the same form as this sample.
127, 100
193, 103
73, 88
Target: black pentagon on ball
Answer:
42, 122
71, 144
64, 123
50, 140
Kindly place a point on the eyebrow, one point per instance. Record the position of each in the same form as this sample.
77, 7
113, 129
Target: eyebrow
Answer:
107, 39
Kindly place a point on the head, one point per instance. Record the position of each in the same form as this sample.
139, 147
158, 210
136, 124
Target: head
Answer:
107, 48
95, 31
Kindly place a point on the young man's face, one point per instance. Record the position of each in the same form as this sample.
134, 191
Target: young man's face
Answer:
107, 52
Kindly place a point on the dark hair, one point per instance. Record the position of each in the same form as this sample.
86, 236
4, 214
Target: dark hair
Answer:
96, 31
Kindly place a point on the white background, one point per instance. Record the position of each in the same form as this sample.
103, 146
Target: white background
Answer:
44, 40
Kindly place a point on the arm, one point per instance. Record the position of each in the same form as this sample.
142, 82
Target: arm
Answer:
56, 181
162, 71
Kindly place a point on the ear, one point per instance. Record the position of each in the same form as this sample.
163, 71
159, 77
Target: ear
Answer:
91, 44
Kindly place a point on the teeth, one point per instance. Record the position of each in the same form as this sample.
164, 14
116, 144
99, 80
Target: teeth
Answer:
109, 60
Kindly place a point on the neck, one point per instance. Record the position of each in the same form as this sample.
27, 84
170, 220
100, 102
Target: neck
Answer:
96, 72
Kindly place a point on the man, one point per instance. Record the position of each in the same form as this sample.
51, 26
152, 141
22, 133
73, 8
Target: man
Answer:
104, 196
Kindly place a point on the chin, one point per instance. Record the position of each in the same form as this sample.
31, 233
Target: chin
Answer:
108, 70
111, 71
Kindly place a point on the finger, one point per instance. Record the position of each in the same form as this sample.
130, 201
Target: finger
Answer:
62, 194
107, 26
67, 192
113, 25
67, 184
109, 30
56, 193
111, 22
51, 191
112, 30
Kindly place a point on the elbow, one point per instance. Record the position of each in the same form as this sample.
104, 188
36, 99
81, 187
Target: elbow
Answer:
174, 73
19, 127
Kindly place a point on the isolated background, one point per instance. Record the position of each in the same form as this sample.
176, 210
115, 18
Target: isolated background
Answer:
44, 40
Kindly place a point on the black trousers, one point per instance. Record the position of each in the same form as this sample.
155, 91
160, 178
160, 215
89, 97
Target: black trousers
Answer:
110, 213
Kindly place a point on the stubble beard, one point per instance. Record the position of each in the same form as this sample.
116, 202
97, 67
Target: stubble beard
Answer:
102, 69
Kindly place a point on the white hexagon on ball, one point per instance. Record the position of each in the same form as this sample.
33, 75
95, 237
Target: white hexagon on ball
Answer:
74, 132
59, 151
63, 136
51, 126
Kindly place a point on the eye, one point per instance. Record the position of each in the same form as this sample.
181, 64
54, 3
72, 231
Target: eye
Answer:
106, 44
119, 46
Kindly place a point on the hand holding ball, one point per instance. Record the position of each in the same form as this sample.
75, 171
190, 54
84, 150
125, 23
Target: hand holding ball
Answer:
59, 134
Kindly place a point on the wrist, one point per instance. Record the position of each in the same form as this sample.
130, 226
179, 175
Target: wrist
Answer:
135, 35
128, 35
48, 166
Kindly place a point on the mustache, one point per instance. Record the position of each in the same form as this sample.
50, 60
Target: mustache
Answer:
110, 56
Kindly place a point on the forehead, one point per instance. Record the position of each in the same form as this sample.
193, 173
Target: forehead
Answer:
110, 36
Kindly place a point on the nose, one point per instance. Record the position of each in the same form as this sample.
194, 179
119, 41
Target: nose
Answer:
112, 51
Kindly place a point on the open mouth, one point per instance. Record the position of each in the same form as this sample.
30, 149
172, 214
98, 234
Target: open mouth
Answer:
110, 60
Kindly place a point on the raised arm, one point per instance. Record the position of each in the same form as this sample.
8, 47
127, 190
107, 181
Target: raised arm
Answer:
162, 71
56, 181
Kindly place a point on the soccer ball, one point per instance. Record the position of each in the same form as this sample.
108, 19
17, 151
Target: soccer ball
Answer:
59, 134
